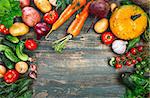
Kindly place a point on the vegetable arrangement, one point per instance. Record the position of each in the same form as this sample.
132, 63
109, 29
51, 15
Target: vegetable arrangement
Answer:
15, 65
121, 30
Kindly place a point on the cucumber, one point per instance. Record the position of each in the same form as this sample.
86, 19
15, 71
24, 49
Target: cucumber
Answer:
3, 47
12, 39
9, 64
11, 56
9, 44
19, 51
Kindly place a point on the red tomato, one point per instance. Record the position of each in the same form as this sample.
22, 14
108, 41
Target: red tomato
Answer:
134, 61
133, 51
11, 76
117, 66
107, 38
128, 63
139, 59
118, 59
140, 48
3, 29
30, 44
51, 17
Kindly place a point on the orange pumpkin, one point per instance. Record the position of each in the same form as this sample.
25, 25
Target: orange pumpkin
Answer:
128, 22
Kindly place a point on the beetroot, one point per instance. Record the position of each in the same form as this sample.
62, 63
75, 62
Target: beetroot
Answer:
99, 8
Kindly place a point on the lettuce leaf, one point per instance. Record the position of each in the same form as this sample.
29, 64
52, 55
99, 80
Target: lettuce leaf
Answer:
9, 9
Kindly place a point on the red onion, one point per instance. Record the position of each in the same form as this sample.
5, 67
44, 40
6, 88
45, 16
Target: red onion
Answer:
41, 29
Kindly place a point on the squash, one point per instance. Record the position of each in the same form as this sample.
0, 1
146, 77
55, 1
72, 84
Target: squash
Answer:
128, 22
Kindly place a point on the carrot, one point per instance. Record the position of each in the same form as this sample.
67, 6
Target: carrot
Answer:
73, 30
68, 12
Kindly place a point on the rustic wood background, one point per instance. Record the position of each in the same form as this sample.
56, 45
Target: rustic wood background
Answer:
81, 71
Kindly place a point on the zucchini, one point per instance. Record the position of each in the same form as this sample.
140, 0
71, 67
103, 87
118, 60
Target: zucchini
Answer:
3, 47
19, 51
9, 64
11, 56
12, 39
9, 44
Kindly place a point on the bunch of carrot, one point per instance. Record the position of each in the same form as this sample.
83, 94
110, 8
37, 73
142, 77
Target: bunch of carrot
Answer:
73, 30
67, 13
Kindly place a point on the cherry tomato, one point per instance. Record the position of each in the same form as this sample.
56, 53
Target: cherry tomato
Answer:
128, 63
118, 59
117, 66
140, 48
139, 59
123, 58
128, 54
107, 38
11, 76
133, 51
134, 61
30, 44
51, 17
3, 29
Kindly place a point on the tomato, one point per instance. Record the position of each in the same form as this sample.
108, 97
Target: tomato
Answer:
107, 38
118, 59
128, 54
140, 48
3, 29
51, 17
134, 61
128, 63
117, 66
133, 51
30, 44
11, 76
139, 59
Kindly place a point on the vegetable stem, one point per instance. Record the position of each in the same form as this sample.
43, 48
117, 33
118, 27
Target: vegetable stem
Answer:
59, 45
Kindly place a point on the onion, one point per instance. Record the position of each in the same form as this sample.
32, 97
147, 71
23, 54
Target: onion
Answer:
41, 29
21, 67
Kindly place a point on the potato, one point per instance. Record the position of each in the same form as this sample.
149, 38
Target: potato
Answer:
21, 67
18, 29
2, 71
24, 3
43, 5
30, 16
101, 25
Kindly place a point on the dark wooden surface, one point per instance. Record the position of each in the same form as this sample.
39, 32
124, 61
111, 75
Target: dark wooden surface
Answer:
81, 71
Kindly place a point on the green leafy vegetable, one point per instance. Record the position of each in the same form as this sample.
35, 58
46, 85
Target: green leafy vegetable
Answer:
63, 3
8, 10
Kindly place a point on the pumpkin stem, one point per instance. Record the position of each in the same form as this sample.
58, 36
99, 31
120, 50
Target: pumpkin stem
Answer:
134, 17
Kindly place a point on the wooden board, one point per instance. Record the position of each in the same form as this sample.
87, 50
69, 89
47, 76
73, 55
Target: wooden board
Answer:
81, 71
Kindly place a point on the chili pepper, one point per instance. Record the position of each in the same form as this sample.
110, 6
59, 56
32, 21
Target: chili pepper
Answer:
11, 76
132, 43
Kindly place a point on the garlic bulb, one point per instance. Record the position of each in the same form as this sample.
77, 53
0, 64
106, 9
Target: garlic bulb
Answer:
119, 46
